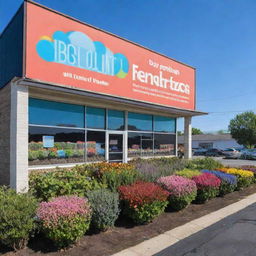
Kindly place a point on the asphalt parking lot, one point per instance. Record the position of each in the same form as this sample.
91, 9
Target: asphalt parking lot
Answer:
234, 235
231, 162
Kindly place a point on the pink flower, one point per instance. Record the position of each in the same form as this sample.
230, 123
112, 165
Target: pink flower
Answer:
177, 185
62, 207
206, 180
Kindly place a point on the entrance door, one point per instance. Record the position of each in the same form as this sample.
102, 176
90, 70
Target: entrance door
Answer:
116, 147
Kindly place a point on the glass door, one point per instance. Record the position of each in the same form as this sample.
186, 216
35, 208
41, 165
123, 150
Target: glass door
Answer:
116, 147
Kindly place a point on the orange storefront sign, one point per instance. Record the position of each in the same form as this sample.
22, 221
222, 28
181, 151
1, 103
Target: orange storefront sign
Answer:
66, 52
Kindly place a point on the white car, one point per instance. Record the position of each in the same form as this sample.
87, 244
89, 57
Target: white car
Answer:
232, 153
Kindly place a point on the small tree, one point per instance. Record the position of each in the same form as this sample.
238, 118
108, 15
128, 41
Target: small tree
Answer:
243, 129
196, 131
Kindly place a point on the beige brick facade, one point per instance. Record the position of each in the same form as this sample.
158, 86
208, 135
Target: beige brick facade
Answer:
14, 136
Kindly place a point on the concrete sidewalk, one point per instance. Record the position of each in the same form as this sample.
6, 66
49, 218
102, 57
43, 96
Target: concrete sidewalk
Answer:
171, 242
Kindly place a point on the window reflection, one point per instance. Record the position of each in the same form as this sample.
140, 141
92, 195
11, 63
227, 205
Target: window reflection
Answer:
95, 118
95, 146
140, 144
50, 113
164, 124
55, 145
115, 120
140, 122
164, 144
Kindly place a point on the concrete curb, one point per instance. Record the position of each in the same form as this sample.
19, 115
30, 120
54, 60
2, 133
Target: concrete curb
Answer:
159, 243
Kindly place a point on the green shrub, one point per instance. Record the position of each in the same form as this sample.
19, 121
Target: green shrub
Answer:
69, 153
111, 174
105, 208
62, 182
187, 173
53, 154
145, 213
152, 169
42, 154
203, 163
32, 155
17, 212
65, 219
114, 179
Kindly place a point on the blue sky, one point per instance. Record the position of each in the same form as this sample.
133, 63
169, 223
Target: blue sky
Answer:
218, 37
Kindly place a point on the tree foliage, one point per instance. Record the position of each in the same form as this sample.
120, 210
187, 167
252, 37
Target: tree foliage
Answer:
243, 129
196, 131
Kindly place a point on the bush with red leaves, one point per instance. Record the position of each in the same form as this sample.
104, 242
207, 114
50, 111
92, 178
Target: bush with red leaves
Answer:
143, 201
207, 186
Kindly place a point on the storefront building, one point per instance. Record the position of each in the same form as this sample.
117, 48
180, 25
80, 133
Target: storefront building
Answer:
72, 93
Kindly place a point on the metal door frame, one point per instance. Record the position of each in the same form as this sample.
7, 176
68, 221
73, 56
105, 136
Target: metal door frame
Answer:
124, 133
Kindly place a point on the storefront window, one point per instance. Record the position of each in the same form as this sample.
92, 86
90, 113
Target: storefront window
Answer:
164, 144
95, 118
115, 120
95, 146
164, 124
43, 112
140, 122
140, 144
55, 145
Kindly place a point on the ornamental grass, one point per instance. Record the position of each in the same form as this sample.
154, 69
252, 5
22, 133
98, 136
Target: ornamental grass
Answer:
244, 177
143, 201
64, 219
228, 181
207, 187
188, 173
182, 190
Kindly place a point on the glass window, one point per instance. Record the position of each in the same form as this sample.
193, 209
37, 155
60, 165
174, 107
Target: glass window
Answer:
95, 146
164, 124
55, 145
164, 144
140, 122
95, 118
140, 144
115, 120
43, 112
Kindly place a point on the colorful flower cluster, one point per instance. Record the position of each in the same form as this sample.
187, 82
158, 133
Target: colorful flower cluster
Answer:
244, 177
141, 193
177, 186
235, 171
207, 186
229, 178
206, 180
65, 219
68, 207
187, 173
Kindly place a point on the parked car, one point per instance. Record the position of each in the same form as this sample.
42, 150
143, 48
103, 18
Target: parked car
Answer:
199, 151
249, 154
232, 153
214, 152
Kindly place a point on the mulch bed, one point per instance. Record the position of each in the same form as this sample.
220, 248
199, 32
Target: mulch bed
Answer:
125, 234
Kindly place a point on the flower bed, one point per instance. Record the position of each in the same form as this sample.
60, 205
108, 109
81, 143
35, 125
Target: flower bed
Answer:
228, 181
187, 173
143, 201
182, 190
244, 177
207, 187
64, 219
67, 214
